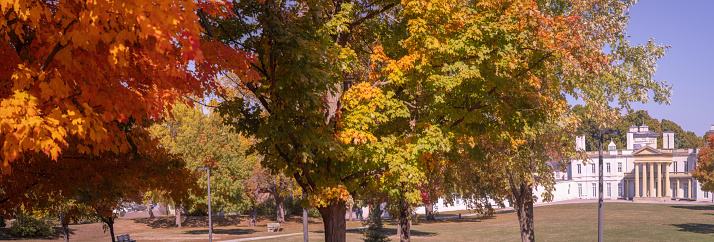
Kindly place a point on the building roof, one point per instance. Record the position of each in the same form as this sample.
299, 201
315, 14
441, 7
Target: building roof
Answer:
648, 133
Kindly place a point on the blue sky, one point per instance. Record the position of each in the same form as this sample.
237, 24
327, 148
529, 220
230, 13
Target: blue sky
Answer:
688, 26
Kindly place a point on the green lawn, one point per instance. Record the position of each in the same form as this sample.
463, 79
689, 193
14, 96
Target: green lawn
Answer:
570, 222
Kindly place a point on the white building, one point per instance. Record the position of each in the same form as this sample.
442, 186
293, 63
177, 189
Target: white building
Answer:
642, 171
627, 172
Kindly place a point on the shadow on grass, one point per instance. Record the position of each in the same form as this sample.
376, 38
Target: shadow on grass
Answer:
696, 228
189, 221
695, 207
390, 232
223, 231
5, 235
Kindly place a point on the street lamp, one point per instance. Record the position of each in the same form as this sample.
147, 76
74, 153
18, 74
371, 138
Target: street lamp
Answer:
210, 226
600, 195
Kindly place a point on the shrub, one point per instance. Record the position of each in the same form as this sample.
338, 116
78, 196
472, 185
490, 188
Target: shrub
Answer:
374, 232
29, 226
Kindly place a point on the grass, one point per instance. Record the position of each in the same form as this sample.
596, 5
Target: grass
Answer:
565, 222
569, 222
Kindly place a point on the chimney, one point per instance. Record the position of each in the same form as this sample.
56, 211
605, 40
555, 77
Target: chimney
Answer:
668, 140
580, 142
643, 128
631, 137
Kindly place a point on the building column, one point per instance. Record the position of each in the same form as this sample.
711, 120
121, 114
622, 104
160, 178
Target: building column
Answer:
676, 189
637, 180
644, 180
689, 187
659, 180
651, 180
668, 192
627, 194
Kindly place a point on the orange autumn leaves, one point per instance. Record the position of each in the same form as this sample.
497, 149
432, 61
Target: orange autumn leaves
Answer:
81, 69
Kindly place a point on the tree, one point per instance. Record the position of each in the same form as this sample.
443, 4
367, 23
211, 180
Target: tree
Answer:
77, 76
590, 127
297, 110
373, 232
704, 172
203, 141
491, 71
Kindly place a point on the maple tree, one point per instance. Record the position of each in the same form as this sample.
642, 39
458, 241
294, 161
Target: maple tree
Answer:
349, 91
82, 81
492, 70
704, 171
303, 111
203, 141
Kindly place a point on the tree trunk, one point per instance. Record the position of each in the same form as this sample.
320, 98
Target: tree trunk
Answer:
151, 211
429, 208
178, 215
251, 220
333, 216
280, 208
524, 208
65, 226
404, 223
350, 211
110, 224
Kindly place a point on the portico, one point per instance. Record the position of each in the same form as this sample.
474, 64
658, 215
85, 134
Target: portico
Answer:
651, 173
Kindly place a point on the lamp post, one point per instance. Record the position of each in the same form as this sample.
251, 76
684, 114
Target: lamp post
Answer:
208, 178
601, 212
304, 218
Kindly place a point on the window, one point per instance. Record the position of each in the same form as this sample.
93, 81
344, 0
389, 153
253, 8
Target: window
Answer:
580, 190
619, 166
593, 165
706, 195
568, 188
619, 191
609, 193
686, 166
594, 190
608, 167
675, 166
578, 168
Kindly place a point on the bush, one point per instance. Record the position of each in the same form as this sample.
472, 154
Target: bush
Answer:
2, 222
29, 226
374, 232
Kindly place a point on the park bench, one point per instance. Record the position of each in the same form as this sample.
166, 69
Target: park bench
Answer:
273, 227
125, 238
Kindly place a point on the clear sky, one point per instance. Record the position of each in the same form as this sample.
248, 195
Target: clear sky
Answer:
688, 26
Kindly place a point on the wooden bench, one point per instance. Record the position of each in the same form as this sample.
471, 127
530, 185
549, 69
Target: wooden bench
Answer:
125, 238
273, 227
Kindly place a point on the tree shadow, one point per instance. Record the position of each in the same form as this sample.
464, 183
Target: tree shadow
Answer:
390, 232
190, 221
223, 231
5, 235
696, 228
695, 207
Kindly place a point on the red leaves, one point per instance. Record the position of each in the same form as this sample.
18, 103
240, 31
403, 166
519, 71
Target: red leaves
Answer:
115, 62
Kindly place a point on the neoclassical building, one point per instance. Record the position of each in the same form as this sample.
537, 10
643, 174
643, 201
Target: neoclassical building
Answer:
641, 171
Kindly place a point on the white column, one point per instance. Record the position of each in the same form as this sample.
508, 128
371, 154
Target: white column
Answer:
676, 189
651, 180
659, 180
637, 180
668, 192
689, 187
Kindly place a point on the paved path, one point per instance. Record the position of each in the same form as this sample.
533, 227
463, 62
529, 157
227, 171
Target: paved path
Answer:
281, 235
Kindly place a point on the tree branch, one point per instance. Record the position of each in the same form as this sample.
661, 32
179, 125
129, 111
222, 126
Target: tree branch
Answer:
365, 174
372, 14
